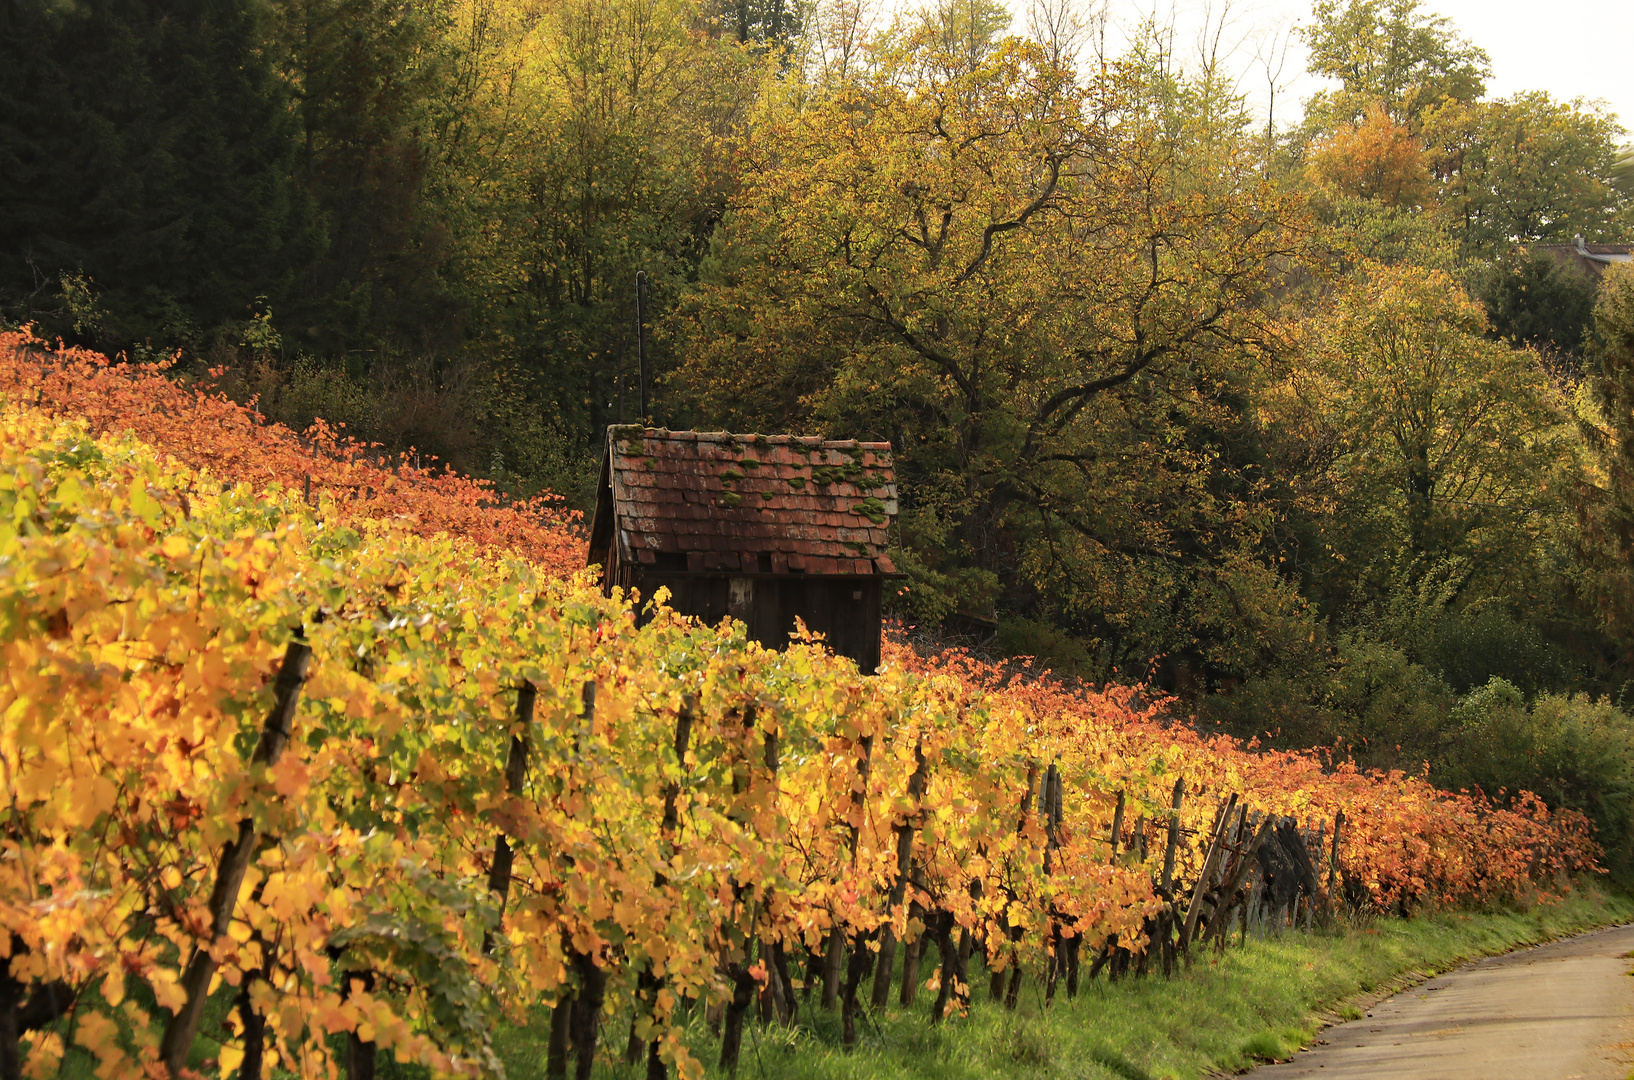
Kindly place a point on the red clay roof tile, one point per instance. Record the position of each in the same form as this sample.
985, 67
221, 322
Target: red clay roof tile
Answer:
704, 492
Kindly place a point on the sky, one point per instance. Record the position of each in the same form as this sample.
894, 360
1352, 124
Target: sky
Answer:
1571, 48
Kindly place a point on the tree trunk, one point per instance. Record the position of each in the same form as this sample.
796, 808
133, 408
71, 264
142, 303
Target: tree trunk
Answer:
910, 970
1056, 963
1073, 948
648, 985
862, 962
1102, 958
833, 956
516, 773
255, 1034
587, 1014
11, 1007
360, 1058
1012, 993
788, 1007
884, 968
950, 965
561, 1031
743, 996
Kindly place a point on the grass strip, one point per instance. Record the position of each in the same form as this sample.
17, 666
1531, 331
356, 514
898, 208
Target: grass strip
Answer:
1231, 1010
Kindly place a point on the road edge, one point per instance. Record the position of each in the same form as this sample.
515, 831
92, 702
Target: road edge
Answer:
1407, 980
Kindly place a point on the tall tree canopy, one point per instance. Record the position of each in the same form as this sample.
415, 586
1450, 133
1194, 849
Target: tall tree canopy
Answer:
1004, 270
1523, 169
1438, 444
1388, 53
1607, 420
147, 150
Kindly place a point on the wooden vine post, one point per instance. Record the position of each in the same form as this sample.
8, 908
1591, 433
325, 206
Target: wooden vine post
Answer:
1174, 837
1165, 923
1006, 983
1117, 825
780, 985
1333, 860
516, 774
834, 954
1293, 841
1211, 860
914, 951
905, 829
1062, 952
861, 962
575, 1019
955, 960
647, 984
736, 964
1237, 873
235, 861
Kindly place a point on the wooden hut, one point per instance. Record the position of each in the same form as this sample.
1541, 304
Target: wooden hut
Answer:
762, 528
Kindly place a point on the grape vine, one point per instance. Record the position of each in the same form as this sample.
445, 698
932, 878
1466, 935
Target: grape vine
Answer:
685, 819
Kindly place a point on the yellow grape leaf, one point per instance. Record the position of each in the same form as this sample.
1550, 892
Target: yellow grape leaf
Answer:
167, 991
100, 1035
41, 1054
230, 1059
70, 495
335, 1018
86, 797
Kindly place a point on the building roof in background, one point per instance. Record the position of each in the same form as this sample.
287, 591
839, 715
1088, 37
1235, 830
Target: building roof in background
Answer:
748, 504
1590, 258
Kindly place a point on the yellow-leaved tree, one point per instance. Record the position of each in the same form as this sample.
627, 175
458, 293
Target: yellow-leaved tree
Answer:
1014, 272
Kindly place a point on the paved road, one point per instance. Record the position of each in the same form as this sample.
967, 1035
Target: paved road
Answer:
1558, 1012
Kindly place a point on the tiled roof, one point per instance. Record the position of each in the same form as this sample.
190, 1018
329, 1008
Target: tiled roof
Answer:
751, 504
1593, 258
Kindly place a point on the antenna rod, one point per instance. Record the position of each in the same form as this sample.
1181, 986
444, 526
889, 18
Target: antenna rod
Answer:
641, 336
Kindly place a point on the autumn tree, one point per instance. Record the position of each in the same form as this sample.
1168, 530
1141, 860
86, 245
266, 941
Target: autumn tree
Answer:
1433, 448
604, 162
1409, 127
1607, 422
1540, 302
1000, 267
1523, 169
1388, 53
1375, 159
767, 23
367, 77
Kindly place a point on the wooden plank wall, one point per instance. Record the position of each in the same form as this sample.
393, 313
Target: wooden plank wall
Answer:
846, 610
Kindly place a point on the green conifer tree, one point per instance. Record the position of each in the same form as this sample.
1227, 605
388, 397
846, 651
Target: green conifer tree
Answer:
148, 152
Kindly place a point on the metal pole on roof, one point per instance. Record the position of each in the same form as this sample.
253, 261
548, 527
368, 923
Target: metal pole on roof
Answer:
641, 336
618, 379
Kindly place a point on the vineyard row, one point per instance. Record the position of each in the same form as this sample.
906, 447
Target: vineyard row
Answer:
359, 782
